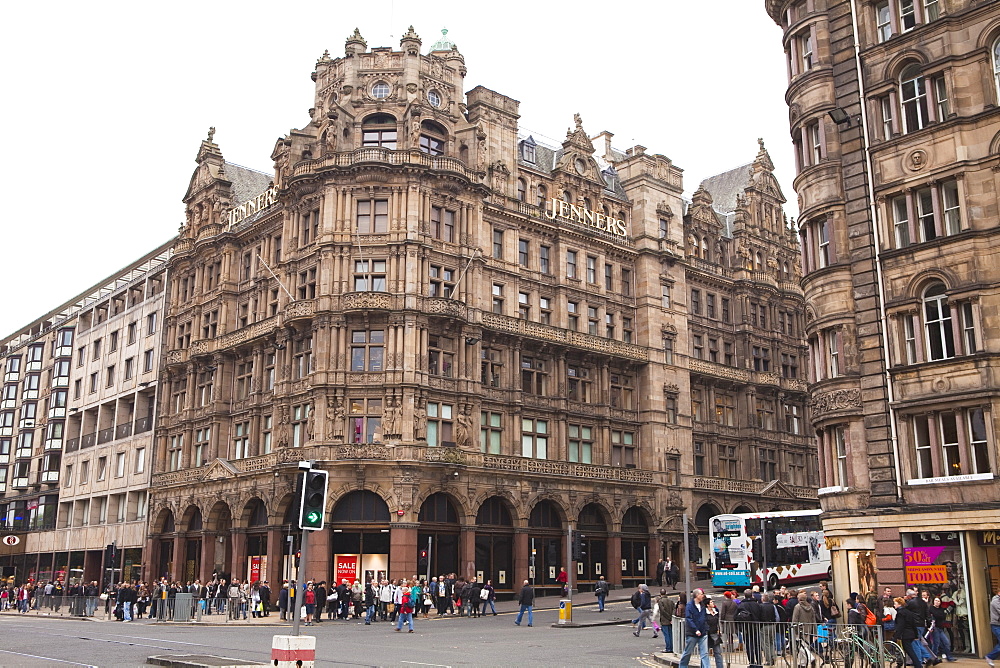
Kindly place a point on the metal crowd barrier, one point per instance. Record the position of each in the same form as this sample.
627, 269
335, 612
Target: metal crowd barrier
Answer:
62, 606
788, 645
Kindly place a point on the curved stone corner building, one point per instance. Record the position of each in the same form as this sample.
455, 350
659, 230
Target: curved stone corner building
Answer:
482, 337
894, 108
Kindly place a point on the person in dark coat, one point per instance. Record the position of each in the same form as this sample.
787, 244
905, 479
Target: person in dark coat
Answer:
526, 599
750, 631
475, 597
321, 603
283, 600
906, 631
265, 598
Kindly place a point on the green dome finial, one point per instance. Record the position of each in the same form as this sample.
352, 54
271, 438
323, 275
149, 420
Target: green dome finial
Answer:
443, 44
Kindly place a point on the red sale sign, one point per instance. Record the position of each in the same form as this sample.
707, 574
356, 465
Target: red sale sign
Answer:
254, 569
347, 568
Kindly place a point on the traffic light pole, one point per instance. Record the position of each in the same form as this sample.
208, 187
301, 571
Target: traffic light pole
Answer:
303, 550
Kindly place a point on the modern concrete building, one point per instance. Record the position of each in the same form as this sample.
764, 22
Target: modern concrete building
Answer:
80, 414
484, 337
893, 108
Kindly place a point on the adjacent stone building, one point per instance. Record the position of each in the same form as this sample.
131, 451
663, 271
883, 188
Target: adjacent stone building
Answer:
893, 108
483, 337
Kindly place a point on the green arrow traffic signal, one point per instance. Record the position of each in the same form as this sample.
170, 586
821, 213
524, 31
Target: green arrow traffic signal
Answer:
313, 500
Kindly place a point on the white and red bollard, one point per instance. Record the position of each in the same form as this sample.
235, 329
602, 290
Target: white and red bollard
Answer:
293, 651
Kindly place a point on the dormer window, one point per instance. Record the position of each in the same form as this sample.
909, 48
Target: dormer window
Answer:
379, 130
528, 150
432, 138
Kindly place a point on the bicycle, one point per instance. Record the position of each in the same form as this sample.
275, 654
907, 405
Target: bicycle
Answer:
852, 646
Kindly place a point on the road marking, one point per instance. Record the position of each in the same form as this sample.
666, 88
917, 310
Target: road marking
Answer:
416, 663
47, 658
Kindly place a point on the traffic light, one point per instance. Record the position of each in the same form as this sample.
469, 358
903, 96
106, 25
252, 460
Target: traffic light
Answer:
422, 561
579, 546
313, 502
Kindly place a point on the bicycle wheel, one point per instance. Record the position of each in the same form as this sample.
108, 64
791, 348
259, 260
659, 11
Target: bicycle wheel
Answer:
894, 655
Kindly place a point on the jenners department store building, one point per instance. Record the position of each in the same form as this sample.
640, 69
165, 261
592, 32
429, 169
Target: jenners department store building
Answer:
482, 337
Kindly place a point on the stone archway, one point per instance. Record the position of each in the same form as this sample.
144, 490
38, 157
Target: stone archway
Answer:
441, 529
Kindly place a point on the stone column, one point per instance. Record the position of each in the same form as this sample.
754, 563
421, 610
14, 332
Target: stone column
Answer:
614, 568
150, 558
402, 549
276, 549
238, 563
317, 567
467, 551
177, 572
522, 559
208, 542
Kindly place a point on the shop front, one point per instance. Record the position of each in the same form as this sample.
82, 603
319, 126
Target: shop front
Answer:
495, 544
440, 529
360, 538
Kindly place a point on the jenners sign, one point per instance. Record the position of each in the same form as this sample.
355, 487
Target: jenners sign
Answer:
578, 214
237, 214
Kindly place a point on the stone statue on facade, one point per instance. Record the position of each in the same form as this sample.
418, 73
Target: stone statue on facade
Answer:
420, 422
335, 415
310, 424
463, 429
391, 418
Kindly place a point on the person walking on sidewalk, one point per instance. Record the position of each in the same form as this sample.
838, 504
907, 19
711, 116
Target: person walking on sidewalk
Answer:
526, 598
994, 627
601, 592
405, 609
696, 630
665, 618
645, 610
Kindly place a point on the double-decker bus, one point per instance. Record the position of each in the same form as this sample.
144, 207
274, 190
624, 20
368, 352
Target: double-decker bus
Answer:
771, 548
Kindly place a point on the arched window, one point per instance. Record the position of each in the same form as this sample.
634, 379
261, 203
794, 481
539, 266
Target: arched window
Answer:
996, 65
913, 98
758, 262
522, 189
379, 130
940, 339
438, 508
359, 506
432, 138
543, 194
704, 249
588, 204
545, 514
494, 512
695, 247
567, 196
257, 517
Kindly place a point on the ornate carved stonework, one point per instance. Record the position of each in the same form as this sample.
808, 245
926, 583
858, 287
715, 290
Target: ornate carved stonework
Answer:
837, 400
363, 451
365, 300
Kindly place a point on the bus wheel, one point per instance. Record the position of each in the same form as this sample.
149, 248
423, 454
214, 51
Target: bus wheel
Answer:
772, 581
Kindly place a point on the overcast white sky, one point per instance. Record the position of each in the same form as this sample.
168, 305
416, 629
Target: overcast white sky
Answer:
107, 102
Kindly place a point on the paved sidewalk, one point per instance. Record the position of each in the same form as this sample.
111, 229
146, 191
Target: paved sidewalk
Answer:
617, 611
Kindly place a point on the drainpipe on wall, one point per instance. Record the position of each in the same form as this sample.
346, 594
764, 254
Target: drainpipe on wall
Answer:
880, 281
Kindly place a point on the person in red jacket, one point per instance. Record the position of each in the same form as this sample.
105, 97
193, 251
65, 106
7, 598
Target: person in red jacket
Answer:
562, 579
310, 601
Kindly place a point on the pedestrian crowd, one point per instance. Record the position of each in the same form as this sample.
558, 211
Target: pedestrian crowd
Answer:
395, 601
921, 621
